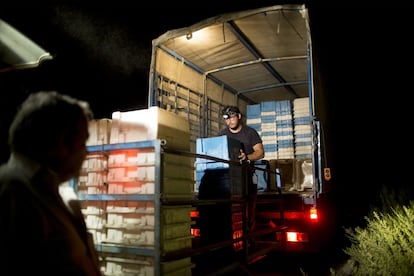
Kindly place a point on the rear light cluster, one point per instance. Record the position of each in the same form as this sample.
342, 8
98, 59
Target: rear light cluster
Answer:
238, 245
296, 237
237, 233
195, 231
292, 236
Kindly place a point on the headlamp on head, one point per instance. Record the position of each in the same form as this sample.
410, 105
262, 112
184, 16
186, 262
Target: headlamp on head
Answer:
230, 111
229, 115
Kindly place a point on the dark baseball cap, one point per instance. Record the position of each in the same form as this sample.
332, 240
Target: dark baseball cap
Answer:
229, 111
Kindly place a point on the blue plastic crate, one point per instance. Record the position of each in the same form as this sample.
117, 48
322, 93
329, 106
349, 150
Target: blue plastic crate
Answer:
227, 178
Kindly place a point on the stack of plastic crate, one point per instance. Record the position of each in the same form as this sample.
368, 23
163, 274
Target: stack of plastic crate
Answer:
269, 134
302, 128
284, 130
253, 117
126, 177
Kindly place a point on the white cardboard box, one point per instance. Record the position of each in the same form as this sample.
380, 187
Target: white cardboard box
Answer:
150, 124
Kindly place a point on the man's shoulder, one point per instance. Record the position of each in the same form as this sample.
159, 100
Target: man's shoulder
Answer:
222, 131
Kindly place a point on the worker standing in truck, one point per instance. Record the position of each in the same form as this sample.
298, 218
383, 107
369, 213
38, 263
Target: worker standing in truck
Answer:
251, 150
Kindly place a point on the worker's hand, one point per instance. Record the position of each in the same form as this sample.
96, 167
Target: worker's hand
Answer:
243, 157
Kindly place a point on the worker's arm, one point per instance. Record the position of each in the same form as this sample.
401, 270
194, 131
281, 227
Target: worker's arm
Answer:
257, 154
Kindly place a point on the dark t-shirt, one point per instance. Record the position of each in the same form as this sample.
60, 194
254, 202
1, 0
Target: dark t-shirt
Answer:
247, 136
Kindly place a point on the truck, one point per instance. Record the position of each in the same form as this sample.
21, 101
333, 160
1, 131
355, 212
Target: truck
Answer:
261, 60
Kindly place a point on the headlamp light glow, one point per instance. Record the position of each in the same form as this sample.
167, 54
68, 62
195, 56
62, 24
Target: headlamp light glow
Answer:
229, 114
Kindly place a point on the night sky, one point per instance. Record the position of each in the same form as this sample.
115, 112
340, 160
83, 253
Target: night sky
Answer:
102, 53
102, 50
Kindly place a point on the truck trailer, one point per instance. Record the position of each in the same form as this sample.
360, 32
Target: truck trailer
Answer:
262, 61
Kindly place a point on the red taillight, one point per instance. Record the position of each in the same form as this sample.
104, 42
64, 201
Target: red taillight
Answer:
313, 214
238, 245
194, 214
195, 232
